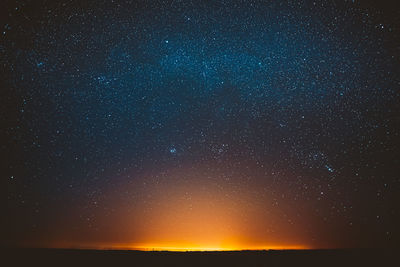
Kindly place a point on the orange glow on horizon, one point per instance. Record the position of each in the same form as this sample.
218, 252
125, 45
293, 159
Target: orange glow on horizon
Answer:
185, 210
178, 247
225, 248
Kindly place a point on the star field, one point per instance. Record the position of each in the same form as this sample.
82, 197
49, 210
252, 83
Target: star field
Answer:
277, 119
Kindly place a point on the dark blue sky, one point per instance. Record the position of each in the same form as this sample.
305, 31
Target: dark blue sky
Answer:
297, 99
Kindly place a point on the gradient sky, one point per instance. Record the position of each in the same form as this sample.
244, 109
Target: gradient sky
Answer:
200, 124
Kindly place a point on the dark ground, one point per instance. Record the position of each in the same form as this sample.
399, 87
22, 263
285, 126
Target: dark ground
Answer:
64, 257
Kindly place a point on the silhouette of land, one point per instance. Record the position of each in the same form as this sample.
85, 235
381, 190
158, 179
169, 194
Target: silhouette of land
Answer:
76, 257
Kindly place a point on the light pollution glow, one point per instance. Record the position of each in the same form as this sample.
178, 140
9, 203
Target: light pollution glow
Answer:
189, 210
178, 247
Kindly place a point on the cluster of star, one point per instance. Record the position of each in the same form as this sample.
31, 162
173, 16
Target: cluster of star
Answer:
276, 121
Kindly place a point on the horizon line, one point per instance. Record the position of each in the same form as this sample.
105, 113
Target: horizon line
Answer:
170, 249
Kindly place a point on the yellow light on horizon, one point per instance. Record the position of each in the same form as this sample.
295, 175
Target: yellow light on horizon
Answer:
161, 248
191, 247
191, 213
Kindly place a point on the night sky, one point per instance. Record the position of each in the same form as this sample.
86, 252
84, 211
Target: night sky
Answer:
200, 124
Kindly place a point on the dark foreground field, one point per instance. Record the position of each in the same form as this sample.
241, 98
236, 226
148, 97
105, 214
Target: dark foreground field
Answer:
64, 257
